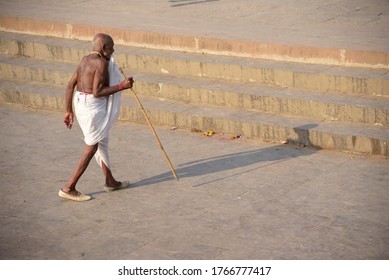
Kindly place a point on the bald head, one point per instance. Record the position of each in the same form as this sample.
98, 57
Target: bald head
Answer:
103, 44
100, 41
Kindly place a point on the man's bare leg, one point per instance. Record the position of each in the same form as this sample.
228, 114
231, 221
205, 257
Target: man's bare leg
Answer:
83, 163
109, 179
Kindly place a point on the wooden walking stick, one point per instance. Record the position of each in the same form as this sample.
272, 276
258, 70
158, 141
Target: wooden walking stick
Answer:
151, 127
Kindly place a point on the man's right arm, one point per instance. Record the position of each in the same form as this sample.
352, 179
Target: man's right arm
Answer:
101, 77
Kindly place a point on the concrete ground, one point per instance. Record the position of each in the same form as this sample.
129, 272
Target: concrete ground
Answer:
236, 198
346, 24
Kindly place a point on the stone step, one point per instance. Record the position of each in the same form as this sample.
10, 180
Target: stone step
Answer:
200, 44
356, 138
282, 101
314, 77
208, 92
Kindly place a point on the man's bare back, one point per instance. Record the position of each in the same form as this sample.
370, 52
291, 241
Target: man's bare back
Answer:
91, 66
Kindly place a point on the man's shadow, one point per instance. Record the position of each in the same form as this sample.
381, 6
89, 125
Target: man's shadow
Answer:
304, 136
240, 161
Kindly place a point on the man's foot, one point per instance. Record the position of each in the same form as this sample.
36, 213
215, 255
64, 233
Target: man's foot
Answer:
74, 195
120, 186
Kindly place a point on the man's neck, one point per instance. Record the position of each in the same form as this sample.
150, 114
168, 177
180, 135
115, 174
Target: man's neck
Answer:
95, 52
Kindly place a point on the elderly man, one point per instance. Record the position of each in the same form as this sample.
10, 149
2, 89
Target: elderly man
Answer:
96, 102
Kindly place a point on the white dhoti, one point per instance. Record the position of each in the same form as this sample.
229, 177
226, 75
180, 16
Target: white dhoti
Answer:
96, 115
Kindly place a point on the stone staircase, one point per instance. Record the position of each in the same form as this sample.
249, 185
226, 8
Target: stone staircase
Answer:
316, 105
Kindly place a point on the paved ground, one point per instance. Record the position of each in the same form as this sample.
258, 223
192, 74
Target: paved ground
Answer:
236, 199
349, 24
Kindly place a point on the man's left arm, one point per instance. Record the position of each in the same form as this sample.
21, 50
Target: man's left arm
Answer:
68, 119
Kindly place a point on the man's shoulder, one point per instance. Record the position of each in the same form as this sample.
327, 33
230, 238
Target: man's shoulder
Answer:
102, 61
98, 62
